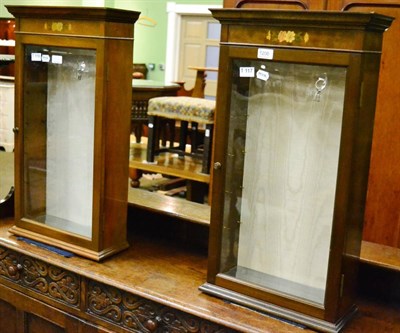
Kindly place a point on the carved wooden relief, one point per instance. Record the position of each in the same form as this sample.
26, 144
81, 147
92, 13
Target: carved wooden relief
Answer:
41, 277
142, 315
9, 265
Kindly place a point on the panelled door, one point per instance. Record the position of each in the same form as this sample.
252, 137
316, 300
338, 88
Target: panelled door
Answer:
199, 46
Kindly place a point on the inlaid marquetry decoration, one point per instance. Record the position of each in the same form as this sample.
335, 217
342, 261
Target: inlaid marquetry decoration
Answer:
36, 275
287, 36
57, 26
142, 315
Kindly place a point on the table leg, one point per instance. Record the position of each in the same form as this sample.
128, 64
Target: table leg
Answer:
135, 175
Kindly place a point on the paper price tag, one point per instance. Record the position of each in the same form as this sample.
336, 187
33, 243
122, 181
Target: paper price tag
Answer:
45, 58
56, 59
246, 72
265, 54
262, 75
36, 56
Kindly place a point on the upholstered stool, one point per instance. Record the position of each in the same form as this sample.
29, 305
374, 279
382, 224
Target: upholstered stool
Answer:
186, 110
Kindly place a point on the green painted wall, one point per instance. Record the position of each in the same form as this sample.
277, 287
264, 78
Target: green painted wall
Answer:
5, 13
150, 42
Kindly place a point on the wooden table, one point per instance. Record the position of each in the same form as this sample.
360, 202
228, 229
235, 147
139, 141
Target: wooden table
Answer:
142, 91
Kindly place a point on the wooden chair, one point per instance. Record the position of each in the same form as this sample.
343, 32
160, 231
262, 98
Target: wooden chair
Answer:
166, 129
186, 110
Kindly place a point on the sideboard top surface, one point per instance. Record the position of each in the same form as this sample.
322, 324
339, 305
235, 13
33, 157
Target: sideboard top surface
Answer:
159, 271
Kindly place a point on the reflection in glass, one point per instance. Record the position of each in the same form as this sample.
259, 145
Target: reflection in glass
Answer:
284, 134
59, 137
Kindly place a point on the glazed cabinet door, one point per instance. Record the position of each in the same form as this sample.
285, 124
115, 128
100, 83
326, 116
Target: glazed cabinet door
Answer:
281, 174
280, 165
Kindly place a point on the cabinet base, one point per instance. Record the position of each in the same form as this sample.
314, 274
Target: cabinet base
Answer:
79, 250
276, 311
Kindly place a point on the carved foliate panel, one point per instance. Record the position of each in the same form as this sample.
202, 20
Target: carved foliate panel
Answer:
142, 315
41, 277
9, 265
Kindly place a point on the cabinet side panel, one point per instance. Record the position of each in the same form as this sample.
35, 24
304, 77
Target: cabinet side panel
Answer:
118, 104
382, 217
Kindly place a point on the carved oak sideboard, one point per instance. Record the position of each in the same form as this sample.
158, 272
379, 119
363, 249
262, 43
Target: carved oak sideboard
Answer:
151, 287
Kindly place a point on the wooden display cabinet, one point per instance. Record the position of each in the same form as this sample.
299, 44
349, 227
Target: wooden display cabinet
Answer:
72, 126
295, 112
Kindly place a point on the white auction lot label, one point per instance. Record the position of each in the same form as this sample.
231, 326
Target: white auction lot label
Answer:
265, 54
246, 72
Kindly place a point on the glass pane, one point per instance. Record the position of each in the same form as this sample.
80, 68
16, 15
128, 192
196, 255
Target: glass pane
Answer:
6, 137
212, 57
285, 127
213, 30
59, 104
